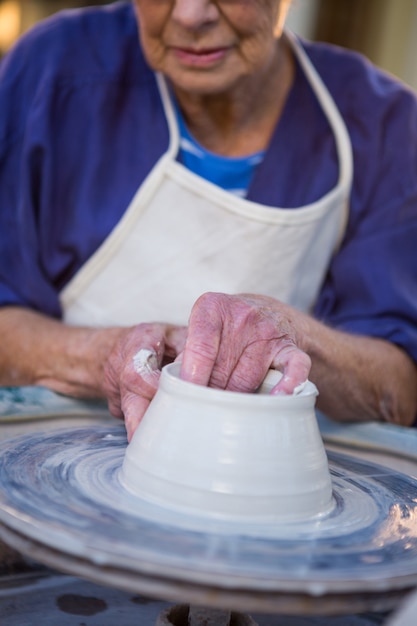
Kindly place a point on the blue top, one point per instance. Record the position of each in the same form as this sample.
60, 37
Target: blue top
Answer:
230, 173
82, 124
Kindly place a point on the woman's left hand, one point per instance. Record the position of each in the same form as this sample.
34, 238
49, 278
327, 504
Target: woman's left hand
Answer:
233, 340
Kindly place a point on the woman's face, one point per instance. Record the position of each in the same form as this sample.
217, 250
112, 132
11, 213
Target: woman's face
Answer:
210, 46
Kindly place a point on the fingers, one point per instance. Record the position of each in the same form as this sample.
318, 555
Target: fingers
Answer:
233, 341
251, 368
133, 408
136, 385
255, 362
203, 340
175, 339
132, 372
295, 366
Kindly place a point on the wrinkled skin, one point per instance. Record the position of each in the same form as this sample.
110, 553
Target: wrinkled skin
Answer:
175, 34
128, 386
231, 343
234, 340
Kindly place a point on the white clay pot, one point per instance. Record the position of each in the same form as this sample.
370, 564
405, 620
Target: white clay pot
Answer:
227, 455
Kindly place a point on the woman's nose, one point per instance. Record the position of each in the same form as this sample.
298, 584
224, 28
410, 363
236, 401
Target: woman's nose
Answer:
195, 13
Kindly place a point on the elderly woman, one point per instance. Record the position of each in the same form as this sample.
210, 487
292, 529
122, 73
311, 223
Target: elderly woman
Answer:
184, 179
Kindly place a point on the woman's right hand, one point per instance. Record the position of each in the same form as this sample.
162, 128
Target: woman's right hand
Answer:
133, 368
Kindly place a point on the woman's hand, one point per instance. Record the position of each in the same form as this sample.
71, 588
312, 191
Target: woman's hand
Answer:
233, 340
231, 343
132, 370
116, 363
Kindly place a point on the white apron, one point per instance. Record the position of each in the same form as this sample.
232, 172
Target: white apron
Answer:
182, 236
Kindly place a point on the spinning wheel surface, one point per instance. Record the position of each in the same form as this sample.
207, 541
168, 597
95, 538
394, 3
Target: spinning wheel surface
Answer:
61, 491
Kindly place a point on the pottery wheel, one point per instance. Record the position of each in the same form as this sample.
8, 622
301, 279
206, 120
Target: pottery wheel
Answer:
61, 502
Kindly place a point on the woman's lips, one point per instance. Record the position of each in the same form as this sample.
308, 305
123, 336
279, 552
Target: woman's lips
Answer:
200, 58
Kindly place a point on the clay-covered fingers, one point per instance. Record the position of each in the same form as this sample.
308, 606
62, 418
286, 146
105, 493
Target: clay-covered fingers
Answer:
295, 366
218, 334
257, 358
132, 367
205, 331
133, 408
233, 341
132, 371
